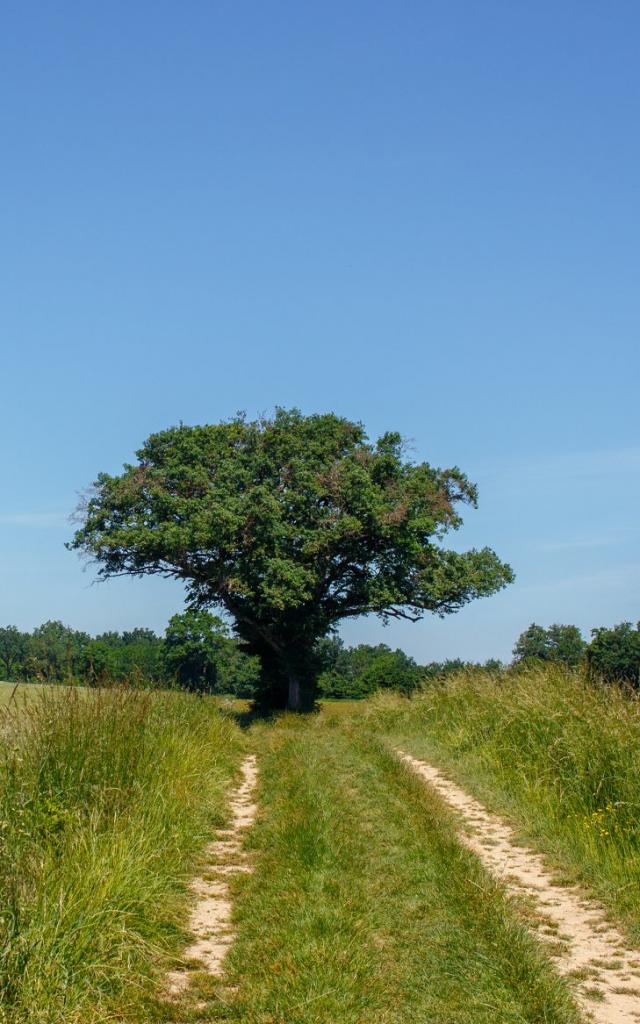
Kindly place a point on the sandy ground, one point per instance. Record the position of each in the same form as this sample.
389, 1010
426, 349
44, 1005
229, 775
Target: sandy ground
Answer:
583, 944
210, 921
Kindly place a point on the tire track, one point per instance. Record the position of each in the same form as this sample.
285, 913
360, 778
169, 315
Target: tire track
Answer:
584, 946
210, 922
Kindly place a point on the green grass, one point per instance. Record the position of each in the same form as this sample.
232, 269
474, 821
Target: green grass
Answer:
363, 906
560, 756
106, 798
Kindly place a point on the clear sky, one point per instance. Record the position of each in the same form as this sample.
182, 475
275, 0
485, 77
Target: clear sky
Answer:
422, 215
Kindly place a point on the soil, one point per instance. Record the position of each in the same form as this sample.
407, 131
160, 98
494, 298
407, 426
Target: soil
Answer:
211, 915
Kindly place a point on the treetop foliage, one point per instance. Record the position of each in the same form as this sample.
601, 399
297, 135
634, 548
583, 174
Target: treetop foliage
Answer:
614, 654
558, 643
277, 512
290, 524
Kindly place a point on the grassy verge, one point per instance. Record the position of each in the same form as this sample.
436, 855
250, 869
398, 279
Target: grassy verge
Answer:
106, 798
561, 757
363, 906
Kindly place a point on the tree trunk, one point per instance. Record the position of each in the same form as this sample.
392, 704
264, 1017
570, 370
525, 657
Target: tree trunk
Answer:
294, 702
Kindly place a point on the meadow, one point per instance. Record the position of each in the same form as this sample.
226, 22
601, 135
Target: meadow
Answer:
19, 692
557, 754
361, 903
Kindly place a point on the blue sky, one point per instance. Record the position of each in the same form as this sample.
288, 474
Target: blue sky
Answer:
420, 215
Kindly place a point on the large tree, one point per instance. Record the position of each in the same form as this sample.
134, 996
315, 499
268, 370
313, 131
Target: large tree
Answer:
290, 524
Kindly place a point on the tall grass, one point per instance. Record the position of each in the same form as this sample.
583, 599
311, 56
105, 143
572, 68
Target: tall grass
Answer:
105, 799
560, 754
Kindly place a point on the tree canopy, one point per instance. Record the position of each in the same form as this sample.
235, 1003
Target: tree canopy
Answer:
193, 642
290, 524
355, 672
14, 646
558, 643
614, 654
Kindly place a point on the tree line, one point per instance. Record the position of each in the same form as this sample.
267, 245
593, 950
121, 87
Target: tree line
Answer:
198, 652
612, 654
355, 672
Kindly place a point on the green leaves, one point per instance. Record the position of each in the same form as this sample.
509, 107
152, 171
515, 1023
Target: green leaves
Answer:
558, 643
290, 524
201, 656
614, 654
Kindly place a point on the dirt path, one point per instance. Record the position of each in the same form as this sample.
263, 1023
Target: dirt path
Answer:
210, 921
584, 946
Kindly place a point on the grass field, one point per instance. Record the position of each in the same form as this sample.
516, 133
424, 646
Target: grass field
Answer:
375, 911
559, 756
362, 904
19, 692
